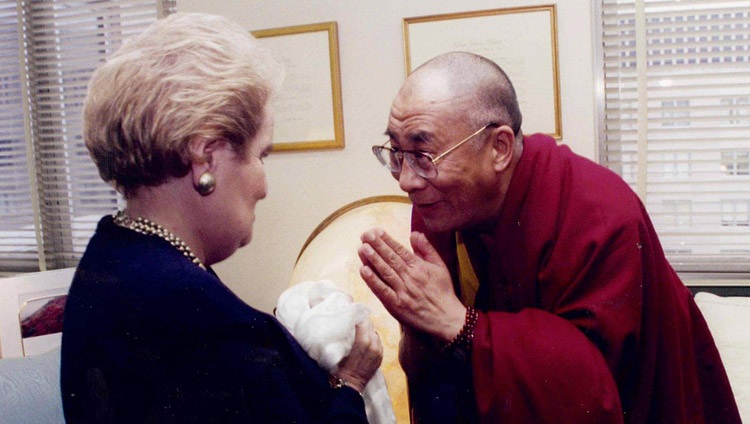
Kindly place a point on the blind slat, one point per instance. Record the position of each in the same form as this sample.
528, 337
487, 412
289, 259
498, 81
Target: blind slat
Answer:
64, 42
698, 129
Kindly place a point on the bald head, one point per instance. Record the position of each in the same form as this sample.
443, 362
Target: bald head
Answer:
490, 94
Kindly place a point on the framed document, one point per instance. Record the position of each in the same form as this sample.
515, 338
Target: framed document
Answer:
308, 109
522, 40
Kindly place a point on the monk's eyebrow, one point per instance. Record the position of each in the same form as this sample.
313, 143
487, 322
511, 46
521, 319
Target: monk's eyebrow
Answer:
422, 137
419, 137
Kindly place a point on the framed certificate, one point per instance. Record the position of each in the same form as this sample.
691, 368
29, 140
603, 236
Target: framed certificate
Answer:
308, 109
522, 40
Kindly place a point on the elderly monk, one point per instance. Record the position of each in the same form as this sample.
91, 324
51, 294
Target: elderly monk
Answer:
577, 317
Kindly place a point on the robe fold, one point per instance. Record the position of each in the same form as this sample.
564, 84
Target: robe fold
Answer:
583, 320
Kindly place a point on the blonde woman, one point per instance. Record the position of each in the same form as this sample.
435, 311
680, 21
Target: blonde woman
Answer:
179, 121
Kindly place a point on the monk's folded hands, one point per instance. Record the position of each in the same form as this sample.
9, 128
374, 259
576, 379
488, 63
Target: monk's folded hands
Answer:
416, 288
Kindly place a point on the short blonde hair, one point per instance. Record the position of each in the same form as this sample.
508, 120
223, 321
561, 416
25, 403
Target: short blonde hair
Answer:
185, 76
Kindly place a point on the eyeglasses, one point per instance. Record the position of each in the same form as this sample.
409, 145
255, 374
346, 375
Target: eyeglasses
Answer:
422, 163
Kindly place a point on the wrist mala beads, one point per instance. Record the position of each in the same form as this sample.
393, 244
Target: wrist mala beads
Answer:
465, 337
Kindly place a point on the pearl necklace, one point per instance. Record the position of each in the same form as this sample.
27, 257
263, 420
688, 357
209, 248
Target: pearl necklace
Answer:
144, 226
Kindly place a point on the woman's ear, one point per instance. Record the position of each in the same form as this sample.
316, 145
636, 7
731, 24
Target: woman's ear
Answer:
504, 144
202, 164
203, 149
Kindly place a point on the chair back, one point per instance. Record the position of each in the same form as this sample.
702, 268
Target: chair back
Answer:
330, 253
31, 307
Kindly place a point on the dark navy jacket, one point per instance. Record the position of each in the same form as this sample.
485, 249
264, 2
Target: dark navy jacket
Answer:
151, 337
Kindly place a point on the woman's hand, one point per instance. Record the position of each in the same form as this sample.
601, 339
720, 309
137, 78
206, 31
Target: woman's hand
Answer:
364, 359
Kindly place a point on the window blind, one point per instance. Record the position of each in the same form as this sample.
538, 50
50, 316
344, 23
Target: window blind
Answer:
676, 123
51, 196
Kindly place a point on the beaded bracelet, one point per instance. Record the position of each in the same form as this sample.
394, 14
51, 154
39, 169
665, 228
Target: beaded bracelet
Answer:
464, 337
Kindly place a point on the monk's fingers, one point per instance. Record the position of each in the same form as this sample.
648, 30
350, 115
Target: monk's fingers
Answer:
389, 270
395, 254
399, 249
379, 288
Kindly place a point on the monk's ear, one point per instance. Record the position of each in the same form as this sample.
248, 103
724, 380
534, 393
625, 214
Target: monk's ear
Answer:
504, 143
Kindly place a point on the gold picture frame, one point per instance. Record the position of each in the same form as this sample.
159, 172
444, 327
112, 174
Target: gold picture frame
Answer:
522, 40
309, 115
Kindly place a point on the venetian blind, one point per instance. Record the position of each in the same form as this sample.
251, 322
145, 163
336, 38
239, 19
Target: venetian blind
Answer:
676, 123
51, 196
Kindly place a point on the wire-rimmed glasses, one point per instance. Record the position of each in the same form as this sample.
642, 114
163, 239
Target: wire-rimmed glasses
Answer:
422, 163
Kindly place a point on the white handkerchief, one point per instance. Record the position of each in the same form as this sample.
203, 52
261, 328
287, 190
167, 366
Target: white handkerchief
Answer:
322, 319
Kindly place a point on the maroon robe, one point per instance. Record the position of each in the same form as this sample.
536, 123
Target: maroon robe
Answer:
583, 319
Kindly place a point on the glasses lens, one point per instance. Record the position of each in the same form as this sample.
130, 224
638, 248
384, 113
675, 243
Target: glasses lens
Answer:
394, 160
388, 158
422, 164
378, 152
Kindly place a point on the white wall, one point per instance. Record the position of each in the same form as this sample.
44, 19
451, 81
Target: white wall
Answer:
305, 187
